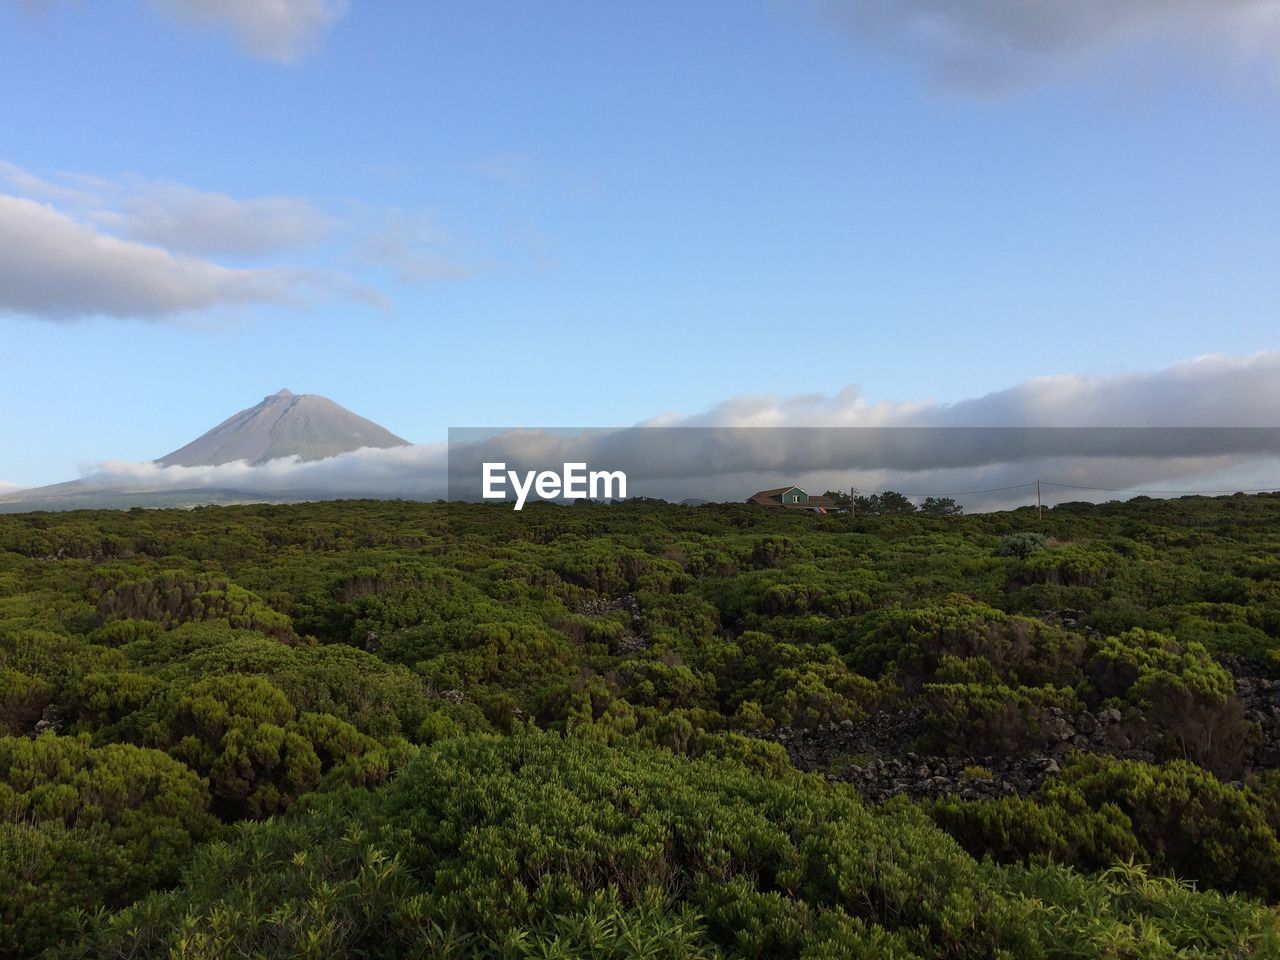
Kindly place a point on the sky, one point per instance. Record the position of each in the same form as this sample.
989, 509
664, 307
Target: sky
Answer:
450, 214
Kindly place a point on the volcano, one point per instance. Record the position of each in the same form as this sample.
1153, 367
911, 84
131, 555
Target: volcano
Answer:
285, 424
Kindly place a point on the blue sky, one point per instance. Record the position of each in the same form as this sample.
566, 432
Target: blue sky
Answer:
581, 213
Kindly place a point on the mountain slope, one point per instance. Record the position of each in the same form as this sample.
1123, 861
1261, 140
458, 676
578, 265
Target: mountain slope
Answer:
284, 424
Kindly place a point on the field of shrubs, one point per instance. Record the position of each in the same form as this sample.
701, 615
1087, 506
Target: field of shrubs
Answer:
404, 730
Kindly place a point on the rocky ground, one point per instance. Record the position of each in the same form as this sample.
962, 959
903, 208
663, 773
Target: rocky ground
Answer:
1260, 697
879, 755
632, 639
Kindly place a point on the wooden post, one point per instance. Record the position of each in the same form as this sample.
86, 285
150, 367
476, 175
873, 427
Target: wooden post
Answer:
1039, 503
853, 504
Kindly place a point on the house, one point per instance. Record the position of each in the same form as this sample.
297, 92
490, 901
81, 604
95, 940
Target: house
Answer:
792, 498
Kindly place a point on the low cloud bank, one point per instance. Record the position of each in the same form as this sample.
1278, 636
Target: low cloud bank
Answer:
977, 466
413, 472
1211, 391
1207, 425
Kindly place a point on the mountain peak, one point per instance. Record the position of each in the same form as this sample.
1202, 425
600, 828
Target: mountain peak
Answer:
309, 426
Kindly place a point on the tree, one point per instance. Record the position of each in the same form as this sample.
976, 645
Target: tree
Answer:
941, 507
893, 502
840, 499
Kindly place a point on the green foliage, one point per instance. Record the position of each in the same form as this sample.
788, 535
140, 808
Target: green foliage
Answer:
259, 753
1022, 544
791, 684
88, 827
940, 507
175, 597
911, 643
291, 662
531, 847
1142, 664
973, 713
22, 700
1068, 566
1180, 687
1175, 817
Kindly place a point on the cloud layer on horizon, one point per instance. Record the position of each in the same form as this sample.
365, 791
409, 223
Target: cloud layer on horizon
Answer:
985, 45
715, 455
414, 471
1210, 391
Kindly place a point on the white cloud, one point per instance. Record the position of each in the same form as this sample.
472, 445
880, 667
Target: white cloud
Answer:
989, 44
1211, 391
138, 248
36, 187
280, 30
415, 471
413, 247
178, 217
56, 268
1056, 428
194, 221
928, 449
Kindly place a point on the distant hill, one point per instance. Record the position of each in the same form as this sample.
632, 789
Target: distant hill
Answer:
284, 424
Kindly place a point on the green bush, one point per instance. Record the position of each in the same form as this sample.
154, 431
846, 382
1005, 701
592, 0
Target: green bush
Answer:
532, 847
175, 597
1021, 545
84, 827
1175, 817
1187, 696
911, 643
22, 700
972, 714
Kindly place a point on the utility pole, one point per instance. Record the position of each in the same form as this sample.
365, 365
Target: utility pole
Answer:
853, 504
1039, 504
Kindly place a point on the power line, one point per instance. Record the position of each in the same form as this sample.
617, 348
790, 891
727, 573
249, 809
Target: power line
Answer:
970, 493
1077, 486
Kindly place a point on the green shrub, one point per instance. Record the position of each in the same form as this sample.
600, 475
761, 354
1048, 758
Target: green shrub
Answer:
983, 717
175, 597
1069, 566
1186, 695
1175, 817
534, 847
1021, 545
22, 700
84, 827
912, 642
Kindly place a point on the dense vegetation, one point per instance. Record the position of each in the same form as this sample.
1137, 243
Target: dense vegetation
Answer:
414, 730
